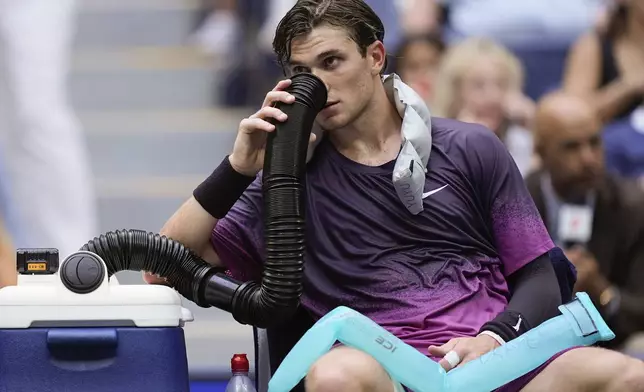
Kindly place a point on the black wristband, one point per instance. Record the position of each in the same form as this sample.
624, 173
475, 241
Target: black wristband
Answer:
221, 190
508, 325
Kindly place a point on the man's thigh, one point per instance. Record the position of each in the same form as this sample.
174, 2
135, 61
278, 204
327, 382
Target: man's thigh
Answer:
348, 369
582, 369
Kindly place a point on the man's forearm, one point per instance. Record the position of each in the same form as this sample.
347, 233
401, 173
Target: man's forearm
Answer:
536, 294
535, 299
193, 223
192, 226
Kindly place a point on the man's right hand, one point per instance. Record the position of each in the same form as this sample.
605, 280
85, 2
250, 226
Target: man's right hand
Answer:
191, 224
248, 151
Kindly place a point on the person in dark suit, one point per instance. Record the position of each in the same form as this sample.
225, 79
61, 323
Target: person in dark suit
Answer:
595, 216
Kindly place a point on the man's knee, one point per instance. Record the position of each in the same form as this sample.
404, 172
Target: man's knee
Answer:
630, 377
347, 369
590, 369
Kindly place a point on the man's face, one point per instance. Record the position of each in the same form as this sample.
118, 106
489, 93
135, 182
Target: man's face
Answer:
573, 153
330, 54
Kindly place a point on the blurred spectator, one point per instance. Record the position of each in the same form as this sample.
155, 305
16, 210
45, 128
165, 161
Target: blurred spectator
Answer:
44, 148
417, 60
624, 146
538, 32
596, 217
8, 272
218, 33
480, 81
420, 16
520, 23
609, 65
9, 226
276, 11
13, 225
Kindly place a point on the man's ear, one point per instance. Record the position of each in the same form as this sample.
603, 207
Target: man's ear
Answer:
378, 57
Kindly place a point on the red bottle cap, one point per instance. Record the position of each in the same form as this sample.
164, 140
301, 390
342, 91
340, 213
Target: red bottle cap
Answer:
239, 363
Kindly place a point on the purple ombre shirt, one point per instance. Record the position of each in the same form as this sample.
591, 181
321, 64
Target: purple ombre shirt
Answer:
426, 278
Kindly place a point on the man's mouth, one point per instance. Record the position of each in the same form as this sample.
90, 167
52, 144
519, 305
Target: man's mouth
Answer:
329, 104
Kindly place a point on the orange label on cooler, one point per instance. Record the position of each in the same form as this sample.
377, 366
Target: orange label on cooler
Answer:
37, 267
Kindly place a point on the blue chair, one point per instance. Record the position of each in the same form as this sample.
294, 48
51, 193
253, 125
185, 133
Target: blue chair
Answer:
262, 360
273, 344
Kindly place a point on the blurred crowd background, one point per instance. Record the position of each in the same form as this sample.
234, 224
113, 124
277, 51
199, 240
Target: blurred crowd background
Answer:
112, 111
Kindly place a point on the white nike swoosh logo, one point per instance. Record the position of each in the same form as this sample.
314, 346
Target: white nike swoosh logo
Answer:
426, 194
516, 327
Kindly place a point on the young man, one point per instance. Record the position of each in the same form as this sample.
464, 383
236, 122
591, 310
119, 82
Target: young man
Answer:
459, 278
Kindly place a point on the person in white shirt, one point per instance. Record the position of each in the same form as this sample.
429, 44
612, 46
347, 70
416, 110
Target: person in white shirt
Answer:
44, 150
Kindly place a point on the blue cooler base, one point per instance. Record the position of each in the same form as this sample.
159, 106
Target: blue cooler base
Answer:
93, 360
208, 386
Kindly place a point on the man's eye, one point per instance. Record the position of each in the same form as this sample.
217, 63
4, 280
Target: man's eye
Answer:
330, 62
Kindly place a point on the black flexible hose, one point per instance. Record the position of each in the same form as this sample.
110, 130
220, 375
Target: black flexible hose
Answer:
283, 196
277, 297
137, 250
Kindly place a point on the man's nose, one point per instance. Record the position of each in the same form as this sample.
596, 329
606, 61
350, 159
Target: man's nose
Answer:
319, 75
588, 154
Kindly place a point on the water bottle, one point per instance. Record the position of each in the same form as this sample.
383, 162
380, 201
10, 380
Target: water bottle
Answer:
240, 382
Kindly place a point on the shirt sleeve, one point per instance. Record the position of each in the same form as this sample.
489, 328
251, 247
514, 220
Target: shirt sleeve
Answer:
238, 237
519, 233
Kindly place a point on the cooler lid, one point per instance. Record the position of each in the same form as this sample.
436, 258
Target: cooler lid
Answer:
43, 301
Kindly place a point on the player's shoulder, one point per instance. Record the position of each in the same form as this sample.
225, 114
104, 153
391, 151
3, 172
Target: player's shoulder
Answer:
458, 135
